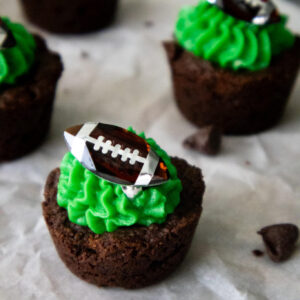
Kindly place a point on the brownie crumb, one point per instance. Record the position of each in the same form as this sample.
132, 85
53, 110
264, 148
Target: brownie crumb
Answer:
206, 140
247, 162
84, 54
280, 240
149, 24
257, 253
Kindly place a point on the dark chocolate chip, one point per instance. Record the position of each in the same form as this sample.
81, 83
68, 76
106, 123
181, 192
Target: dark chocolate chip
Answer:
280, 240
257, 253
206, 140
84, 54
149, 23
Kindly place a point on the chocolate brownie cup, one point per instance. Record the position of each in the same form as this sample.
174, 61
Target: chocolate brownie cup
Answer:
239, 102
135, 253
239, 81
27, 93
70, 16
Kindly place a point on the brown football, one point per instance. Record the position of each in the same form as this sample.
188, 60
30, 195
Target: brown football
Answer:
256, 11
116, 154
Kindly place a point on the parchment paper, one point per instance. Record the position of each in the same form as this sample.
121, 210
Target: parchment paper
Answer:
125, 80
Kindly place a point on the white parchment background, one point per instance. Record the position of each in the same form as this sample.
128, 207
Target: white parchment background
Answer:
255, 181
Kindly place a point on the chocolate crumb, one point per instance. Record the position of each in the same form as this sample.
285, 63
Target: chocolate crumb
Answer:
149, 23
280, 240
247, 162
258, 253
206, 140
84, 54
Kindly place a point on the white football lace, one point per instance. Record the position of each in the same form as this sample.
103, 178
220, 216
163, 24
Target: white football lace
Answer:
115, 150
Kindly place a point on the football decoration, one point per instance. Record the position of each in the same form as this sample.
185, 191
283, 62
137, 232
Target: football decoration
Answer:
116, 155
7, 39
258, 12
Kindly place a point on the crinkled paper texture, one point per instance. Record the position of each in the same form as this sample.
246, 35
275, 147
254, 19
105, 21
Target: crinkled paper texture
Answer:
125, 80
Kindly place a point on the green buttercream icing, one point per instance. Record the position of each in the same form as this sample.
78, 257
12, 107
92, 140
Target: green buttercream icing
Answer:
102, 206
208, 32
17, 61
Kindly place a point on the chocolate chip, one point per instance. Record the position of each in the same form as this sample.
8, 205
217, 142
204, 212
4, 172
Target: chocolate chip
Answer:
257, 253
84, 54
149, 23
280, 240
206, 140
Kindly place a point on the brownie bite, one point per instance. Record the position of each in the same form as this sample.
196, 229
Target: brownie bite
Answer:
240, 102
131, 257
238, 76
70, 16
26, 102
135, 253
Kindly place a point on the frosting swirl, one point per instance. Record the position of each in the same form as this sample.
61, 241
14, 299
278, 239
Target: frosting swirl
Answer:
16, 61
102, 206
208, 32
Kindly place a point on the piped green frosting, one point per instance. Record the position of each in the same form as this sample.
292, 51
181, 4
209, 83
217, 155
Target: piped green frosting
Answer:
209, 33
17, 61
102, 206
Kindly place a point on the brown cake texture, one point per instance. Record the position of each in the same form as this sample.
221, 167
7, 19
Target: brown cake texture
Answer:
240, 102
130, 257
70, 16
26, 107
